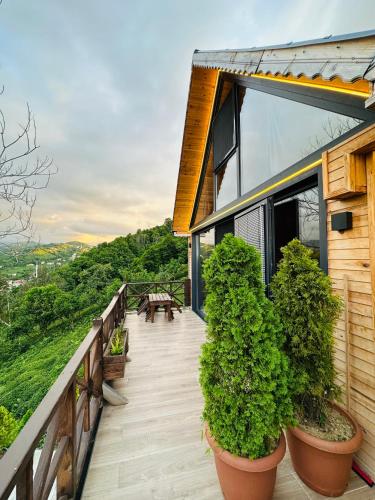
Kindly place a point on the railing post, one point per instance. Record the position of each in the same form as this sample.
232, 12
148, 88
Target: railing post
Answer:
66, 474
24, 490
117, 310
125, 298
87, 376
98, 377
187, 292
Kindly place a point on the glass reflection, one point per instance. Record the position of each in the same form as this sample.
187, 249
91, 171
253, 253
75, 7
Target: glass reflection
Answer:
298, 216
206, 246
277, 132
226, 182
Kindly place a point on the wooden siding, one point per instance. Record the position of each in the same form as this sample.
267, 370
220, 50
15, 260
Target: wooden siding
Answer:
351, 265
344, 167
198, 115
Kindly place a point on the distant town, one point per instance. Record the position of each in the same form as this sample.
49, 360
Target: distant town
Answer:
21, 263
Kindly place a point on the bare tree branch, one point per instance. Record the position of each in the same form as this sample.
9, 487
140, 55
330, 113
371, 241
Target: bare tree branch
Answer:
20, 179
331, 129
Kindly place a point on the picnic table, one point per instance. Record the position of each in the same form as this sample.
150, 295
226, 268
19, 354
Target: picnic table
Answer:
153, 301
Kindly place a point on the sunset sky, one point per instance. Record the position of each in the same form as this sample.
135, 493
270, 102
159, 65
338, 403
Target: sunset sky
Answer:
108, 81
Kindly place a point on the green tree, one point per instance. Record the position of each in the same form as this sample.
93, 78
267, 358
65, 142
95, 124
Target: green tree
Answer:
244, 372
40, 302
308, 309
9, 428
4, 302
165, 249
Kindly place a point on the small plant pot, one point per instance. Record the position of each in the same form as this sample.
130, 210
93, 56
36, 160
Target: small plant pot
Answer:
245, 479
324, 465
114, 365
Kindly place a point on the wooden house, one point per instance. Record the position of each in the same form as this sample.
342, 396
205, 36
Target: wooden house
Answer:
279, 142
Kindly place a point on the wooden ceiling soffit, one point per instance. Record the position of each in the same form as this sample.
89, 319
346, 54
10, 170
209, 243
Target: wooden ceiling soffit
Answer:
201, 98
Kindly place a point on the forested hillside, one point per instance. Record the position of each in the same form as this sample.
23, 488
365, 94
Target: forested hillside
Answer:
44, 321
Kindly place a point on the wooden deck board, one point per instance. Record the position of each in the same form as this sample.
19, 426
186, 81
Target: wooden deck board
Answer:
152, 447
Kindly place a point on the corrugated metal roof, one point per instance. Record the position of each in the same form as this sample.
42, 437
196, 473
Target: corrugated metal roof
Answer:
314, 41
348, 57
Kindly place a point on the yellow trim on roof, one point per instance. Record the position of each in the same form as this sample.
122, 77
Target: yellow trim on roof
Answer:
331, 88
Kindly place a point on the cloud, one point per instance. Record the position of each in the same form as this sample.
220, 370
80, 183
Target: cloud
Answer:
108, 84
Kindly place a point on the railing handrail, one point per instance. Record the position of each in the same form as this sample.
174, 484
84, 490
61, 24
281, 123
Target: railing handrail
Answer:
176, 288
154, 282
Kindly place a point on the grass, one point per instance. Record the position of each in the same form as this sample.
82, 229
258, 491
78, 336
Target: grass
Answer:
117, 344
25, 380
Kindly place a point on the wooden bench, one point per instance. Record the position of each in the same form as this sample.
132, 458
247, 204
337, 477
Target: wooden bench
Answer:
153, 301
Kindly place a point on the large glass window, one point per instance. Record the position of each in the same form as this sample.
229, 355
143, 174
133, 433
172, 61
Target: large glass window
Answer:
224, 130
206, 246
277, 132
226, 182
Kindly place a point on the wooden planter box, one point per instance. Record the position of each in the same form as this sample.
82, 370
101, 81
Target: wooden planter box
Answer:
114, 365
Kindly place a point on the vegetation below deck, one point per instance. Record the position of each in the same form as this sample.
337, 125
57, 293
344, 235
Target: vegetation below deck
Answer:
44, 320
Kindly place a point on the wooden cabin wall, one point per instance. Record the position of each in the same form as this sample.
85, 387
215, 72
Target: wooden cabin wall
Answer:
351, 265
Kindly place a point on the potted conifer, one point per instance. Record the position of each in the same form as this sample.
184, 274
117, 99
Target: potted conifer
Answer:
323, 443
243, 374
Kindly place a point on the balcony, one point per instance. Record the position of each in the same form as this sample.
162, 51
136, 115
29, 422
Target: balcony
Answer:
151, 448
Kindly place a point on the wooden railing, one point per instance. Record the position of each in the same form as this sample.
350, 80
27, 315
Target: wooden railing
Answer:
65, 421
180, 291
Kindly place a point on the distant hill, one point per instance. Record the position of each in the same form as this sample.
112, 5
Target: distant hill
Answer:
20, 261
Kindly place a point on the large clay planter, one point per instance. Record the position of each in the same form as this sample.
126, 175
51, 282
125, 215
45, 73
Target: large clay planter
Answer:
244, 479
324, 465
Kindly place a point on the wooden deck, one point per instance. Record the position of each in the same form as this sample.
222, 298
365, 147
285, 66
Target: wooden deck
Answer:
152, 447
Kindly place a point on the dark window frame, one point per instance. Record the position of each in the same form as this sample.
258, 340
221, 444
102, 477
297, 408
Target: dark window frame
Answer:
231, 95
236, 147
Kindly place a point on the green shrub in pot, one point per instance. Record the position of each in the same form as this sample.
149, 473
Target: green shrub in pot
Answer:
308, 309
244, 371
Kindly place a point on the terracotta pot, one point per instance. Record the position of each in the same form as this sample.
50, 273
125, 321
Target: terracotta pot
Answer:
244, 479
324, 465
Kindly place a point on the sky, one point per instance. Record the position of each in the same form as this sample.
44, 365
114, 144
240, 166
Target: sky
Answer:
108, 83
